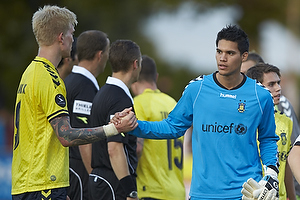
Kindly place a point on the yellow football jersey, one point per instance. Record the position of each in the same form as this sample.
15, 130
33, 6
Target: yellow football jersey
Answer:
284, 127
159, 171
39, 160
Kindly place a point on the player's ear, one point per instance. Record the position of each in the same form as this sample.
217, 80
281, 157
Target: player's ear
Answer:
61, 37
99, 54
135, 64
244, 56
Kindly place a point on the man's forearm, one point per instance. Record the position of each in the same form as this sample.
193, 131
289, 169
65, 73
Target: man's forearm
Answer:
69, 136
289, 182
294, 161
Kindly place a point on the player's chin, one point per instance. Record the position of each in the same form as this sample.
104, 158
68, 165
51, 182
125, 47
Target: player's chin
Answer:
276, 101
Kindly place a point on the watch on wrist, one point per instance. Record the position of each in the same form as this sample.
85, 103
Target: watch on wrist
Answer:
133, 194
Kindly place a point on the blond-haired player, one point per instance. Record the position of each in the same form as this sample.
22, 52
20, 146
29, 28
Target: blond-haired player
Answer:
40, 166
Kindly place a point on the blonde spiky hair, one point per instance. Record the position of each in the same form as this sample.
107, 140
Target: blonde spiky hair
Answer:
48, 22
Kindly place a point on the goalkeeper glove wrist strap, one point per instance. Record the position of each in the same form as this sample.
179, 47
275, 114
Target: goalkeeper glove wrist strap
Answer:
274, 168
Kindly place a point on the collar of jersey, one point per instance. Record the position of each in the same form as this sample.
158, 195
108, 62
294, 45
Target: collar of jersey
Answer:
46, 61
83, 71
148, 90
119, 83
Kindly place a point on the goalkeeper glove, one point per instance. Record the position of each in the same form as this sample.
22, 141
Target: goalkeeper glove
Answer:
266, 189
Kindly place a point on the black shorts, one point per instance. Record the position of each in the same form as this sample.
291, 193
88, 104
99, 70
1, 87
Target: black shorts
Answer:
79, 179
53, 194
104, 185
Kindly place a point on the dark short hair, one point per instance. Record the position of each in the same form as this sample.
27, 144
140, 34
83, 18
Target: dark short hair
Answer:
89, 43
122, 54
255, 57
257, 71
73, 50
148, 72
234, 34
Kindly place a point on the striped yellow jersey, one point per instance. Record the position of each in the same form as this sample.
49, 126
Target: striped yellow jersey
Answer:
39, 160
159, 171
284, 128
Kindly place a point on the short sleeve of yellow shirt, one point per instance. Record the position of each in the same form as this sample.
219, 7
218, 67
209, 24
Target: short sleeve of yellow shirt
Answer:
39, 160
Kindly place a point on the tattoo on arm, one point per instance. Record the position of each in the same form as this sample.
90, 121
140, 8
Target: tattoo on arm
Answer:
69, 136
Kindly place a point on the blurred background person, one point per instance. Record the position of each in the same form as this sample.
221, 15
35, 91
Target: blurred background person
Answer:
269, 76
284, 105
160, 165
65, 66
252, 59
82, 86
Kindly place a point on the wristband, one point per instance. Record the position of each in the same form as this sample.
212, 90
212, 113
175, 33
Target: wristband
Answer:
271, 170
110, 130
128, 185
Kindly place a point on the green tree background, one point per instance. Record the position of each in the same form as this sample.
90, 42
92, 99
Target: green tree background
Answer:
121, 20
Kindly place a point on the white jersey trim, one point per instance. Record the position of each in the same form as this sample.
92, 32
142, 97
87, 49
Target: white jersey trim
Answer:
83, 71
119, 83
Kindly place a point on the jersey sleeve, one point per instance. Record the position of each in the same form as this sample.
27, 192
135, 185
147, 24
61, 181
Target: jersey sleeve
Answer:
53, 95
266, 134
178, 121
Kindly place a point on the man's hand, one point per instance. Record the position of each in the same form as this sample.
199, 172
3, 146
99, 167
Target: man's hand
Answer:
119, 115
248, 188
126, 122
266, 189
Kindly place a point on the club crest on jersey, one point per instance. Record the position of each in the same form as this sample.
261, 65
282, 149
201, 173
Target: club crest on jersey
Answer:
60, 100
241, 107
283, 138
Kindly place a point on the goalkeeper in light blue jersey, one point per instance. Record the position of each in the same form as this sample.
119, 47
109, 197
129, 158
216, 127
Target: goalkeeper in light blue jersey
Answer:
226, 109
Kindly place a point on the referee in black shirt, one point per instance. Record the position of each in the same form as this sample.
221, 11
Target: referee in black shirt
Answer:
114, 160
82, 86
